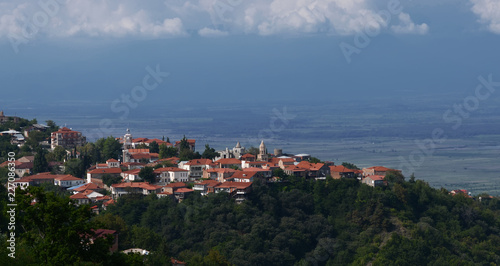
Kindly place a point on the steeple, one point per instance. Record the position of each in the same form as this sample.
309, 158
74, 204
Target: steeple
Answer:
238, 145
262, 148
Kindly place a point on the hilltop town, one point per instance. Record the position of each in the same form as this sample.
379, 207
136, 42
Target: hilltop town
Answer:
157, 166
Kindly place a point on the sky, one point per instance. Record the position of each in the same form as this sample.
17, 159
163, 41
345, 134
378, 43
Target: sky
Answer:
231, 51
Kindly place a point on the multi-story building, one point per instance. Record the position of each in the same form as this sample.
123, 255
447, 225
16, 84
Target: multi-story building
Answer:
67, 138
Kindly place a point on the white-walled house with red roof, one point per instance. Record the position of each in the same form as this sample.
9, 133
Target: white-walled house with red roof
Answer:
66, 181
172, 174
196, 167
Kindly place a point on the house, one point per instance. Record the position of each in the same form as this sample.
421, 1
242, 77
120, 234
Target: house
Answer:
144, 188
23, 166
67, 181
131, 175
172, 187
260, 172
196, 167
95, 176
112, 163
248, 157
219, 174
340, 171
283, 161
172, 174
315, 170
237, 190
86, 187
139, 251
302, 157
254, 164
144, 157
92, 195
243, 176
107, 203
35, 180
374, 180
378, 170
228, 163
296, 171
176, 262
80, 199
181, 193
35, 127
206, 186
67, 138
131, 166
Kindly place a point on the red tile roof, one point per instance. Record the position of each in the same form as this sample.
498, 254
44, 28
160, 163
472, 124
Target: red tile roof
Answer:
228, 161
78, 196
248, 155
88, 186
114, 170
341, 169
112, 161
176, 185
131, 151
209, 182
68, 178
199, 162
238, 185
244, 174
376, 177
310, 166
183, 190
143, 185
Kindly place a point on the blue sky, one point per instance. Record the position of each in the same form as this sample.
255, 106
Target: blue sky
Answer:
234, 50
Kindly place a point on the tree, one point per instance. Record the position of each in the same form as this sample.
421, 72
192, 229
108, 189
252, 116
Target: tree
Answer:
209, 153
254, 151
279, 173
75, 168
56, 231
34, 139
110, 180
350, 166
184, 144
167, 152
147, 174
314, 160
59, 153
40, 164
153, 147
111, 149
394, 177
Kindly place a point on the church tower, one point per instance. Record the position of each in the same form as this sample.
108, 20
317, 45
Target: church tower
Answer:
262, 156
127, 144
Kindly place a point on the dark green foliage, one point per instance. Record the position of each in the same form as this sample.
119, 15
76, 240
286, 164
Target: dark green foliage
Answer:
75, 167
209, 153
55, 232
350, 166
253, 150
110, 180
147, 174
40, 164
314, 160
154, 147
167, 152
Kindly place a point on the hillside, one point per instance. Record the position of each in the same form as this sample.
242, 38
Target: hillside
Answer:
332, 222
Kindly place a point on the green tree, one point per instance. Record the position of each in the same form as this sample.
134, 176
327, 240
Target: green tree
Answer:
147, 174
350, 166
59, 153
34, 139
40, 164
56, 231
209, 153
154, 147
75, 168
111, 149
110, 180
314, 160
167, 152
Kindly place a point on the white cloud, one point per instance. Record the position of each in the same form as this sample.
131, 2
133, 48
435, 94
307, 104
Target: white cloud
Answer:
207, 32
407, 26
488, 12
210, 18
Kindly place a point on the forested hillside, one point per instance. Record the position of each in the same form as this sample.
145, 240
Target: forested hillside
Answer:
332, 222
